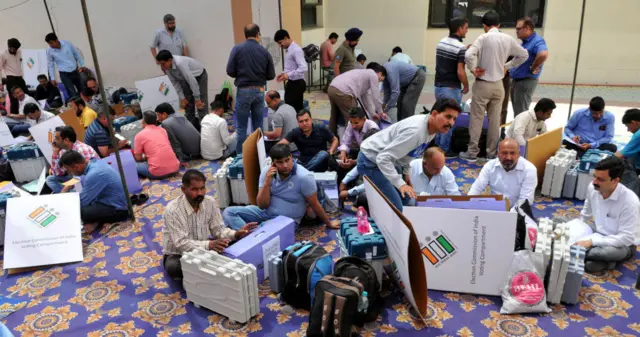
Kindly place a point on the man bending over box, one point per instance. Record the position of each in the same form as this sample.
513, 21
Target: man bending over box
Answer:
189, 222
286, 189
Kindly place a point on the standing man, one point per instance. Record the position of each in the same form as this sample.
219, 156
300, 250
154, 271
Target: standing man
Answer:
326, 57
345, 57
402, 85
169, 38
11, 66
252, 66
591, 128
531, 123
614, 210
509, 174
66, 57
430, 176
525, 76
631, 120
294, 68
487, 60
450, 72
281, 120
190, 80
396, 146
397, 55
358, 84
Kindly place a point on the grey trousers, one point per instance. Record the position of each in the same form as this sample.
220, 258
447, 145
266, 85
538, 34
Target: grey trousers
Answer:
487, 96
409, 96
601, 258
522, 93
190, 109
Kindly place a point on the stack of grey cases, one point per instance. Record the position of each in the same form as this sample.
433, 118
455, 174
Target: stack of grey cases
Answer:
226, 286
223, 189
555, 170
129, 131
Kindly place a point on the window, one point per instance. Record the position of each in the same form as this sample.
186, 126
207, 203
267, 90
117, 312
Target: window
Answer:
309, 13
441, 11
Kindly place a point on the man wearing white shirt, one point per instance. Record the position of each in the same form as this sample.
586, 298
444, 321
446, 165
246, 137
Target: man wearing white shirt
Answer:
33, 117
12, 119
531, 123
215, 140
509, 174
430, 176
397, 55
616, 213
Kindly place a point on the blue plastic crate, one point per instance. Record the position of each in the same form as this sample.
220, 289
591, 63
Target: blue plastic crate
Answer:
122, 121
3, 200
591, 158
363, 245
23, 151
350, 222
236, 168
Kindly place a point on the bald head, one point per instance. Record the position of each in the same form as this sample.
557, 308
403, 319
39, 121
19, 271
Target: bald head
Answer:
251, 31
508, 153
433, 161
272, 99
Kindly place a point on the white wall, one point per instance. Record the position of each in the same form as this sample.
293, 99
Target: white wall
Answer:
123, 30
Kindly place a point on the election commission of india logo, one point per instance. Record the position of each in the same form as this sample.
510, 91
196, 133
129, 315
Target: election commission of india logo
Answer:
438, 248
43, 216
163, 89
30, 62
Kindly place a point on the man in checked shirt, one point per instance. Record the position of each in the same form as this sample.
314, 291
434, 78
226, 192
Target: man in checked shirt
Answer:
189, 222
66, 139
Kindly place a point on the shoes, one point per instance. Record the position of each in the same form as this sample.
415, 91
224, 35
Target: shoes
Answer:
450, 155
466, 156
139, 199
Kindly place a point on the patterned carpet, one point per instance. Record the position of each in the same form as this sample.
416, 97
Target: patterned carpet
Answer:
120, 289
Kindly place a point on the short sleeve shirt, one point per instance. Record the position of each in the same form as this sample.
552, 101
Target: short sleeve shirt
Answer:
288, 196
632, 149
346, 56
163, 41
311, 145
87, 117
96, 136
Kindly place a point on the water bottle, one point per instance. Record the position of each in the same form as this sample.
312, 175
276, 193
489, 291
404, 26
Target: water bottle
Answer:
363, 220
363, 305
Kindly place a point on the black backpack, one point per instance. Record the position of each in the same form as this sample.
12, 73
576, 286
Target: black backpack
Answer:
460, 141
304, 265
355, 268
335, 307
311, 53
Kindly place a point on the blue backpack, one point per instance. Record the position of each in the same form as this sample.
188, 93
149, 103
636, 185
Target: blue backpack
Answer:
304, 265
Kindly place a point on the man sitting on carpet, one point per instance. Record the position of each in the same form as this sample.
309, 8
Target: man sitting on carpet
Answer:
189, 222
509, 174
215, 140
85, 114
311, 140
102, 199
64, 140
281, 120
98, 137
591, 128
531, 123
152, 150
616, 213
430, 176
353, 136
183, 136
287, 188
34, 117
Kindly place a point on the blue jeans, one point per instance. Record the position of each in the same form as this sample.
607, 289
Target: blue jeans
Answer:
55, 182
237, 216
20, 129
444, 140
249, 102
143, 170
370, 169
319, 162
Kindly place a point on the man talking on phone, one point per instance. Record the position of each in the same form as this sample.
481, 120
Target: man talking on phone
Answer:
285, 189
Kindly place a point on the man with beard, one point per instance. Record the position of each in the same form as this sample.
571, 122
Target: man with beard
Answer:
509, 174
169, 38
615, 210
11, 66
96, 99
285, 189
189, 222
396, 146
345, 56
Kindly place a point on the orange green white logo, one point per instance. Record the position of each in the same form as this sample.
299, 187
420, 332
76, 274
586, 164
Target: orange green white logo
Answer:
31, 62
42, 216
164, 89
438, 249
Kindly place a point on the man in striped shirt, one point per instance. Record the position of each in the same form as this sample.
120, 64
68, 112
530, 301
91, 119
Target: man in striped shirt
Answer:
97, 136
66, 139
191, 220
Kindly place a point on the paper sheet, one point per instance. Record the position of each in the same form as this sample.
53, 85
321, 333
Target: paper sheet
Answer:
6, 138
565, 138
578, 230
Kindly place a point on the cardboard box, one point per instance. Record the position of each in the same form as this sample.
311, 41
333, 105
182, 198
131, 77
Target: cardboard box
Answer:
487, 203
256, 248
254, 156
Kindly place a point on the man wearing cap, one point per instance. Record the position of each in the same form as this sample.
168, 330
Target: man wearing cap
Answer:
345, 57
169, 38
11, 66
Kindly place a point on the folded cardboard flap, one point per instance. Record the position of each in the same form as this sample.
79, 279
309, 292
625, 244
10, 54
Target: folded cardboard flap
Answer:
251, 164
417, 272
70, 119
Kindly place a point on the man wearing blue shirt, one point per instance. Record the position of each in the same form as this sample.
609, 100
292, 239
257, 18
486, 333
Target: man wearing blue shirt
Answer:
285, 189
102, 199
590, 128
631, 151
66, 57
402, 86
525, 77
98, 137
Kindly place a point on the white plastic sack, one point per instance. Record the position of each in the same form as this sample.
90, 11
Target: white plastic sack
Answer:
524, 290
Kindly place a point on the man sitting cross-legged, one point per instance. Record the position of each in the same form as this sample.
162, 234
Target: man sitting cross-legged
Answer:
102, 199
191, 220
311, 140
430, 176
286, 189
65, 139
152, 151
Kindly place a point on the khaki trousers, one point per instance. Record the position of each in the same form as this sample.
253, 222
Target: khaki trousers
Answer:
487, 96
341, 103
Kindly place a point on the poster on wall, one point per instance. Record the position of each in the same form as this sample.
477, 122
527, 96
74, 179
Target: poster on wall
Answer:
43, 230
157, 90
34, 63
467, 251
44, 133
